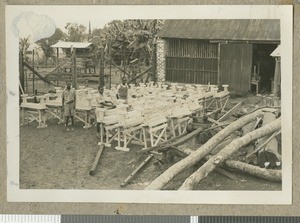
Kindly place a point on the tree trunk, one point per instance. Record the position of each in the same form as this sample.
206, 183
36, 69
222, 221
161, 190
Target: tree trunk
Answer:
250, 127
21, 71
101, 68
223, 155
270, 153
222, 145
201, 152
271, 175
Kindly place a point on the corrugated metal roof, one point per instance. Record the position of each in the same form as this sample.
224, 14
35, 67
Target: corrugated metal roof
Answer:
77, 45
214, 29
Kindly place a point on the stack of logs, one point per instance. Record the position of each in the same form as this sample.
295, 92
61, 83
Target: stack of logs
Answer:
256, 135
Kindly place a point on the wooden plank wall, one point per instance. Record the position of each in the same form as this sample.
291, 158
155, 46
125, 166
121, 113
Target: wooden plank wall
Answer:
235, 66
191, 61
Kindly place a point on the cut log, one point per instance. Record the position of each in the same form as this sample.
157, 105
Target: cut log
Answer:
231, 111
267, 174
270, 153
201, 152
183, 152
250, 127
224, 154
221, 145
261, 146
96, 161
132, 175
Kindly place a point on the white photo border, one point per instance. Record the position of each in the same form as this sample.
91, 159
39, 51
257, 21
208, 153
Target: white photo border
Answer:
283, 12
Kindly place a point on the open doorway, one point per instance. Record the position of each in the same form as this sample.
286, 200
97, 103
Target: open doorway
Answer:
263, 66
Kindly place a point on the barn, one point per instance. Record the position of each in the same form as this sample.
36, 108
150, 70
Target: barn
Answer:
234, 52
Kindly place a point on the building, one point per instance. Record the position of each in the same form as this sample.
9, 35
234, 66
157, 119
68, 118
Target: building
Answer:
232, 52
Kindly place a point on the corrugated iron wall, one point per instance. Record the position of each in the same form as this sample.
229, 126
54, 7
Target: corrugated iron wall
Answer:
191, 61
235, 66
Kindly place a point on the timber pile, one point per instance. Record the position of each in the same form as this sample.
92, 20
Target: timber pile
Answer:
250, 144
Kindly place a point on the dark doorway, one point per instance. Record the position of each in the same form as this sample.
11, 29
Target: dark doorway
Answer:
263, 65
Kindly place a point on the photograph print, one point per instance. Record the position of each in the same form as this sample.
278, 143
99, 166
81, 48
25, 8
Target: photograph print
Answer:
182, 105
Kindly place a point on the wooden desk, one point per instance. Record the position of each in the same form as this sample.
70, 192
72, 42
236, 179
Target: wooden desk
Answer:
34, 112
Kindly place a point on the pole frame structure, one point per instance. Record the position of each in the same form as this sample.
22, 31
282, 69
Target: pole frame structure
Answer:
74, 61
33, 76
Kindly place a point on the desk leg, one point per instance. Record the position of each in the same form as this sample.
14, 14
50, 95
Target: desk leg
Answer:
102, 132
145, 137
60, 115
41, 119
173, 128
86, 121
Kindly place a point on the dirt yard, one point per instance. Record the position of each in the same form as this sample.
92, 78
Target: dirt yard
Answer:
52, 158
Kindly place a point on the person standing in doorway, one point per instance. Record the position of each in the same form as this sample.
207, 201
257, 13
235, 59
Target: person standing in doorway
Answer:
69, 104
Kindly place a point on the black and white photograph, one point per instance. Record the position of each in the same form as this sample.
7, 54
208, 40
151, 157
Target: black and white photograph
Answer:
149, 104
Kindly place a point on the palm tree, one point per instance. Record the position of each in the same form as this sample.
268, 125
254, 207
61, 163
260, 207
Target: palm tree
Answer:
24, 44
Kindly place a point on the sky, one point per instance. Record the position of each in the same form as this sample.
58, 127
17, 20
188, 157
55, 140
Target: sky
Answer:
40, 21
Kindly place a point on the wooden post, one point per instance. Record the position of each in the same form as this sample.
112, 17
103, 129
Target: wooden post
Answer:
96, 161
276, 88
101, 68
74, 76
219, 61
109, 68
124, 65
26, 80
130, 177
21, 70
57, 55
33, 76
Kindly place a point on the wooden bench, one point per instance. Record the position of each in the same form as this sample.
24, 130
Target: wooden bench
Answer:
129, 128
156, 129
33, 112
109, 120
54, 109
178, 120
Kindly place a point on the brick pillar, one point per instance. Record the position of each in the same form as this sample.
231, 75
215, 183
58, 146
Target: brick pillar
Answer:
161, 60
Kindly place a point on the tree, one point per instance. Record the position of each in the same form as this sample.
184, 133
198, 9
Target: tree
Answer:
24, 44
46, 44
75, 32
97, 32
130, 43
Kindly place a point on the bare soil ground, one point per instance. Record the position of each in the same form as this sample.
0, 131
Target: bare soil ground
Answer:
52, 158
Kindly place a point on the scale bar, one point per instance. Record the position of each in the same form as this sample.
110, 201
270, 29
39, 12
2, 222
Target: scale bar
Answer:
143, 219
30, 218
